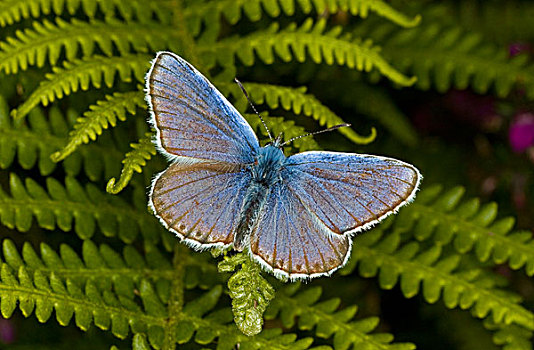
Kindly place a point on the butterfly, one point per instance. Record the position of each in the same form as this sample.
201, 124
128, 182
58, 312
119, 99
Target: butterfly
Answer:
293, 215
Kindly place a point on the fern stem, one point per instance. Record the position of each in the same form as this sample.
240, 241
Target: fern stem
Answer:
189, 44
176, 299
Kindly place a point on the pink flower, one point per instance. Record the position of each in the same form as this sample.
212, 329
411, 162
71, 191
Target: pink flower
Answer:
521, 132
518, 48
7, 331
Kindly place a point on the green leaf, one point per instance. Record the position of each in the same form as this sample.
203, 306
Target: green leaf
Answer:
249, 291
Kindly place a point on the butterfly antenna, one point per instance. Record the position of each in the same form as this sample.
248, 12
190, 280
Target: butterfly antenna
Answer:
254, 108
315, 133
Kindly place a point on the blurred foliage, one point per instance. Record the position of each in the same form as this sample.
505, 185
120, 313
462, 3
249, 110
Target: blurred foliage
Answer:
447, 86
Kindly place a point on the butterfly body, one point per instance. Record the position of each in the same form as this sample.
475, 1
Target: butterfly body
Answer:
294, 215
265, 173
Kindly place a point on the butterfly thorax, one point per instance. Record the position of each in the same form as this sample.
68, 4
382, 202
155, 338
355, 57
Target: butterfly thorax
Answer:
267, 165
265, 174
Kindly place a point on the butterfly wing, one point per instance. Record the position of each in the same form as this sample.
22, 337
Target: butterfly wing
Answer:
288, 241
199, 197
304, 229
199, 203
349, 192
192, 118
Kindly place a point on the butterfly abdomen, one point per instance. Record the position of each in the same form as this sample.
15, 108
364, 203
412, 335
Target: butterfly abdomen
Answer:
254, 201
265, 173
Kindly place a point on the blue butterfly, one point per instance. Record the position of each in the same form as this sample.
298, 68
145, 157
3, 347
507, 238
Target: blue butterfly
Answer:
294, 215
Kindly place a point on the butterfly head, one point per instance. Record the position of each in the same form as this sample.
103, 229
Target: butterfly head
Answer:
268, 163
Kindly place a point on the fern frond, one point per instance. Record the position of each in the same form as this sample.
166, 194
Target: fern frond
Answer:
12, 11
101, 115
296, 100
327, 320
502, 22
206, 12
444, 217
439, 276
511, 336
73, 208
152, 313
376, 104
447, 56
80, 75
134, 160
34, 293
279, 125
47, 40
249, 291
109, 270
32, 141
293, 42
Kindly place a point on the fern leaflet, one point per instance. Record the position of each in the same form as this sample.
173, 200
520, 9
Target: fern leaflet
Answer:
293, 42
73, 208
133, 162
80, 74
249, 291
457, 59
33, 140
382, 255
327, 320
32, 46
100, 116
296, 100
12, 11
442, 216
208, 12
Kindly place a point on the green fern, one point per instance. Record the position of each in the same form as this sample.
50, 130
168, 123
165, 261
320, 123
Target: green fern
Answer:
12, 11
70, 207
81, 74
440, 276
33, 47
207, 12
133, 162
293, 42
297, 101
157, 312
105, 113
446, 56
442, 216
109, 270
249, 291
328, 321
32, 141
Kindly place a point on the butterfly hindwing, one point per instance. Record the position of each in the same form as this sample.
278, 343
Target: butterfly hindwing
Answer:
199, 203
288, 241
193, 118
348, 192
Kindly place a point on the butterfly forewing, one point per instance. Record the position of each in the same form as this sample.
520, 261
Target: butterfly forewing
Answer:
289, 241
192, 118
350, 192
